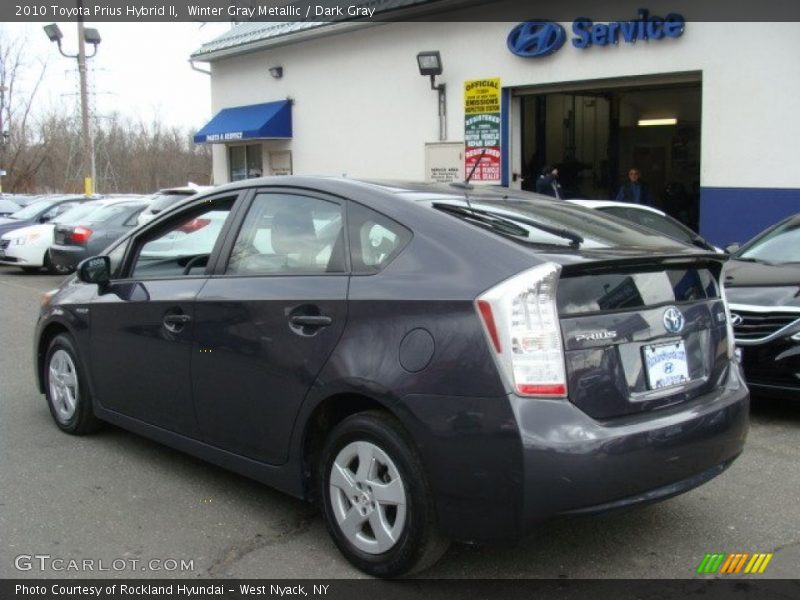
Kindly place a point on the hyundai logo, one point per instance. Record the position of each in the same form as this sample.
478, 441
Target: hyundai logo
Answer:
673, 320
532, 39
736, 319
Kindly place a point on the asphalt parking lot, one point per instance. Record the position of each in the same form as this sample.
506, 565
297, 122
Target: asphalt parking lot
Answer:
115, 496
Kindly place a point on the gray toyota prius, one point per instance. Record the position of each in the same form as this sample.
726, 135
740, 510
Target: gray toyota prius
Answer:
425, 362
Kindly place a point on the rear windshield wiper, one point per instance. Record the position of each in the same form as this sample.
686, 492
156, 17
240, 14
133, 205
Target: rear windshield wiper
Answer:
482, 218
575, 239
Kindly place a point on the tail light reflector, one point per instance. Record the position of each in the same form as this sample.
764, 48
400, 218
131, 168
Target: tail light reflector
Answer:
194, 225
520, 317
80, 235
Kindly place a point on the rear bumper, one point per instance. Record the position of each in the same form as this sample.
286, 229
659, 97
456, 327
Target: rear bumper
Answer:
574, 464
67, 256
500, 466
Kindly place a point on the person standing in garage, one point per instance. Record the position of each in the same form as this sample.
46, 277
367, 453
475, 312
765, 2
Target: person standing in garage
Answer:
634, 190
547, 183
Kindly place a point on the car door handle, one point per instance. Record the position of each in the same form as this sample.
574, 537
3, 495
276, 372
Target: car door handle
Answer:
175, 323
310, 320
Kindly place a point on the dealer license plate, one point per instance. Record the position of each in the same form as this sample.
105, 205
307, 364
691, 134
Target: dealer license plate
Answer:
666, 365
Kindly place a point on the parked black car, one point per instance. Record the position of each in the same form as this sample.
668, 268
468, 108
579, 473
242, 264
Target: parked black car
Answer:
41, 211
74, 242
763, 287
428, 363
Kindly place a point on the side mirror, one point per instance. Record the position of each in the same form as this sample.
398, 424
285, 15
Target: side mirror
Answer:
96, 269
44, 218
731, 248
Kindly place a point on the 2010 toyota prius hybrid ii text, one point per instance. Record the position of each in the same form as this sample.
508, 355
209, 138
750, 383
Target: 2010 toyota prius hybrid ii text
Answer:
427, 363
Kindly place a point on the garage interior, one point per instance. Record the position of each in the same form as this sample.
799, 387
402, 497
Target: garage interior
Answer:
594, 135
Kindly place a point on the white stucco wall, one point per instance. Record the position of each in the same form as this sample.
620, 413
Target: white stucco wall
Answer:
361, 107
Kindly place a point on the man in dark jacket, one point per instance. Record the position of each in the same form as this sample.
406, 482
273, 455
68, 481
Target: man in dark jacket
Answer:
634, 190
547, 183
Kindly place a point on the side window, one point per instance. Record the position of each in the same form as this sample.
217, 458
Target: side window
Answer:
183, 245
289, 234
374, 239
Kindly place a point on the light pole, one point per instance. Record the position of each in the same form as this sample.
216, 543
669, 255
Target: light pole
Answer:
91, 36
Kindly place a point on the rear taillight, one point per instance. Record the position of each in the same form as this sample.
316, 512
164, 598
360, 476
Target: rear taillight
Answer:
728, 322
80, 234
194, 225
521, 321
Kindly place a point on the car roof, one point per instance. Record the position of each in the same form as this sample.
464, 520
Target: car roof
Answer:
414, 191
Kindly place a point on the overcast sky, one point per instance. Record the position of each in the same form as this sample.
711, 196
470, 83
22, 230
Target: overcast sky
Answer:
141, 69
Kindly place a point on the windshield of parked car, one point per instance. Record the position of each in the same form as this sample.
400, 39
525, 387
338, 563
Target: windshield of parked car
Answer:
32, 210
781, 245
561, 224
8, 206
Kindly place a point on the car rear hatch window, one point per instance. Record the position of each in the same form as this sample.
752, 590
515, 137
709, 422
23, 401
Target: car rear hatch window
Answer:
642, 317
642, 336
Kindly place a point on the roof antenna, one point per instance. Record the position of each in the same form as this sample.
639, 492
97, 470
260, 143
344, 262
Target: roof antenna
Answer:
475, 166
465, 185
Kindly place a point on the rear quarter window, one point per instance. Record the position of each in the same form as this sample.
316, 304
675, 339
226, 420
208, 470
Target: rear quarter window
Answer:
375, 240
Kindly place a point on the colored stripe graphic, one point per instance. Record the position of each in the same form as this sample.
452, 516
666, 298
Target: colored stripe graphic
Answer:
758, 563
732, 564
711, 562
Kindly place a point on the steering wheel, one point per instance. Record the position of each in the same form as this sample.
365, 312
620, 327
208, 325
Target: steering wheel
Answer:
194, 261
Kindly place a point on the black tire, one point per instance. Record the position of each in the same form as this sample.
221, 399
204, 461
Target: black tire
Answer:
419, 543
51, 268
80, 420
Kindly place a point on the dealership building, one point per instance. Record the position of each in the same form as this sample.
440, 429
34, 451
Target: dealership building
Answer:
707, 111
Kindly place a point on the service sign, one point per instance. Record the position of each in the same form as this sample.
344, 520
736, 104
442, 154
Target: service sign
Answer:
482, 130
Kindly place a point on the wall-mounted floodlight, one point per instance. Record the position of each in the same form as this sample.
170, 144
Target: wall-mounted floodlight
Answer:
276, 72
430, 64
53, 32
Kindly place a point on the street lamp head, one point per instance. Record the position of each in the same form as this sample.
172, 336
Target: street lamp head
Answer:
91, 36
53, 32
430, 63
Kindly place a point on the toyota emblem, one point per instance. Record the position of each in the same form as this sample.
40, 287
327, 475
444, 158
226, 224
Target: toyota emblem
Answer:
673, 320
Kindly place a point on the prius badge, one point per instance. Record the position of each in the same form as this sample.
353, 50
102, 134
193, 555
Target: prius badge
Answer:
673, 320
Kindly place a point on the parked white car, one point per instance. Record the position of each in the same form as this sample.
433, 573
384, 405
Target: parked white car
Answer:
29, 247
168, 197
653, 218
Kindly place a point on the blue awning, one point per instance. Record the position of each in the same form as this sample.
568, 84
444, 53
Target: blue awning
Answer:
255, 121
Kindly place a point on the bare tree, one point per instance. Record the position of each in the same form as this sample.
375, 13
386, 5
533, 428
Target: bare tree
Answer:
21, 153
42, 151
